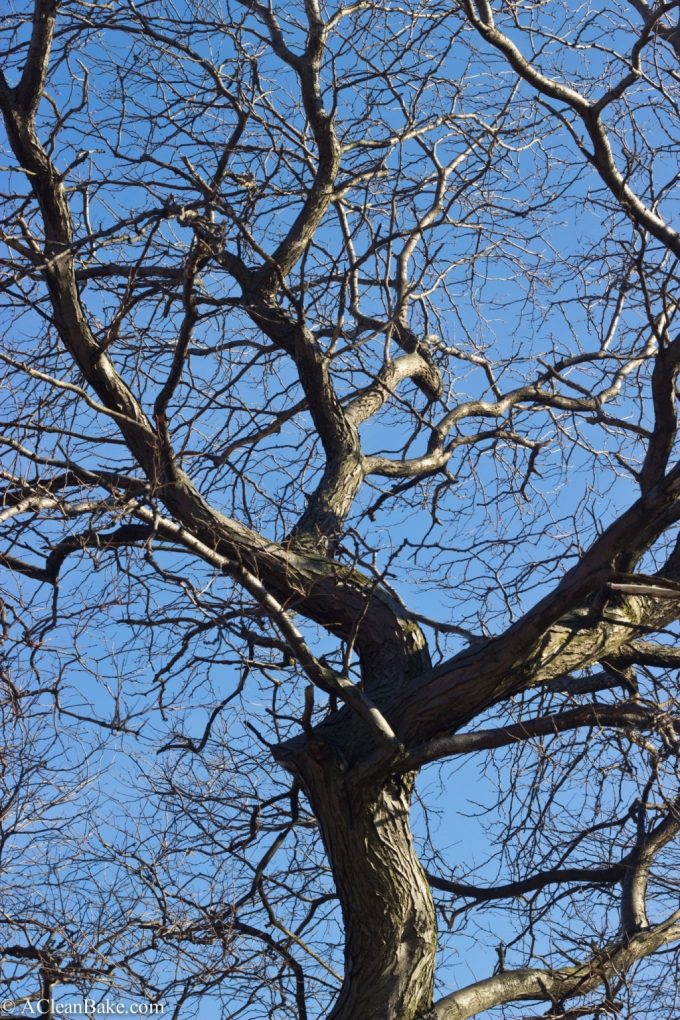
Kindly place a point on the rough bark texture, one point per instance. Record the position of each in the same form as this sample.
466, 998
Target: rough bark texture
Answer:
390, 924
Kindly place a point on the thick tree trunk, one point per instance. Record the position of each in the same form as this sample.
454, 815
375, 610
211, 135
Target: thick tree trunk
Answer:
386, 901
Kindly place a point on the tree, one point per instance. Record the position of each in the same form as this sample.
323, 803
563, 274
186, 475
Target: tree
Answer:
340, 438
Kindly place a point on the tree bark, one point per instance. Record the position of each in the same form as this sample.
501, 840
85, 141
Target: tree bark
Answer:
387, 907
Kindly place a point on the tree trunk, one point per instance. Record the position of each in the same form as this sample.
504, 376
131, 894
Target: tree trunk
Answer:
390, 925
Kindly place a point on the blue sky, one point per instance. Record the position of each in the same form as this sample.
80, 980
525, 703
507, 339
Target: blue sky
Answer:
541, 290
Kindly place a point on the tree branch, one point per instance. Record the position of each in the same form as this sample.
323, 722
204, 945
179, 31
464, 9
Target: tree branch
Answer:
534, 985
626, 716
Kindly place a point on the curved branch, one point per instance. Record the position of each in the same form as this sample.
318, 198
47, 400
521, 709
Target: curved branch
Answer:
126, 534
322, 676
534, 985
567, 630
480, 15
639, 862
558, 876
632, 871
624, 716
649, 653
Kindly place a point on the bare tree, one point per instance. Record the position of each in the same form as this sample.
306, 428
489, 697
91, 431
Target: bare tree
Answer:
339, 431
